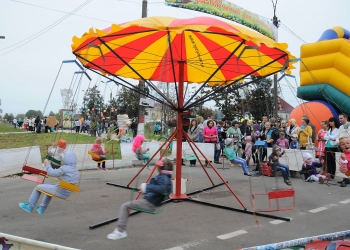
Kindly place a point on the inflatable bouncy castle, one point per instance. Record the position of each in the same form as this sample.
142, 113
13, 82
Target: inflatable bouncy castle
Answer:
325, 70
325, 77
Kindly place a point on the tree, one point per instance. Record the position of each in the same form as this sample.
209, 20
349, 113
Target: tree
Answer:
92, 102
33, 113
261, 102
20, 116
8, 117
128, 102
254, 100
206, 112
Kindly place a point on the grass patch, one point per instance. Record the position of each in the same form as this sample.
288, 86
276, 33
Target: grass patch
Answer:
5, 128
44, 140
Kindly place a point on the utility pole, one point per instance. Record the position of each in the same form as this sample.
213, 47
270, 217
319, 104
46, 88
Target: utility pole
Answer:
141, 126
275, 91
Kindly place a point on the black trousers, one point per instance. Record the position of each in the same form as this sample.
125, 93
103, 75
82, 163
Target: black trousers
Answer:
330, 160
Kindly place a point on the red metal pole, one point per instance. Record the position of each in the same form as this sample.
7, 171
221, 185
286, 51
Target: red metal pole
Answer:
222, 179
189, 143
178, 163
166, 148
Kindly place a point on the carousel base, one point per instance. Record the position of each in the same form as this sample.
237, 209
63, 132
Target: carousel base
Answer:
187, 197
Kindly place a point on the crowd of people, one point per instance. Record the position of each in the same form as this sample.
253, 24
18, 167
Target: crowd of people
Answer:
34, 124
241, 138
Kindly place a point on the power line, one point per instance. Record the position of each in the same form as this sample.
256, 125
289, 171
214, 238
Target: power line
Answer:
290, 31
41, 32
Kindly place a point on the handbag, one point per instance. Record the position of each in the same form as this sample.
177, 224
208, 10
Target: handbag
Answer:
309, 145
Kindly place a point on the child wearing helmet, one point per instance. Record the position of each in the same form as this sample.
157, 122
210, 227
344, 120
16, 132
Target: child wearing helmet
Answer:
154, 191
56, 153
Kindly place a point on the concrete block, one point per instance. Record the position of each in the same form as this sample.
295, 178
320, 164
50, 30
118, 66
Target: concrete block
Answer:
12, 160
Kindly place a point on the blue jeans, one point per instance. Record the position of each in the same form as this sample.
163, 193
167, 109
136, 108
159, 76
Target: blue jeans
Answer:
145, 158
242, 162
284, 169
217, 153
200, 138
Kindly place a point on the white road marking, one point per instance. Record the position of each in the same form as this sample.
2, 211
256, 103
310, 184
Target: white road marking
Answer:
231, 235
188, 245
345, 201
275, 222
316, 210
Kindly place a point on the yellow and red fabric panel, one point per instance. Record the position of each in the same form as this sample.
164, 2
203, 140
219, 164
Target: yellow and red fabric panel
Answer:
152, 48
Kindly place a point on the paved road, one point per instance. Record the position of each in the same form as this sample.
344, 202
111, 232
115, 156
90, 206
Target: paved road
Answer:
320, 209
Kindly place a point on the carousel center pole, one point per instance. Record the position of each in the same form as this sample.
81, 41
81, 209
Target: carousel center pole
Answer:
178, 163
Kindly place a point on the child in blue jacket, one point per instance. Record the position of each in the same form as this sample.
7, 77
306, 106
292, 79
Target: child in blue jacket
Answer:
68, 172
155, 191
230, 152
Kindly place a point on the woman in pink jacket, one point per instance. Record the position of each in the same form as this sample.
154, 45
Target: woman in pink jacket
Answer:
210, 134
97, 149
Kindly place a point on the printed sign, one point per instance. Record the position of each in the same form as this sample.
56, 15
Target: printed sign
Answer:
230, 11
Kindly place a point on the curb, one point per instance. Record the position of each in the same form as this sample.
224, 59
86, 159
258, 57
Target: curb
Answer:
17, 242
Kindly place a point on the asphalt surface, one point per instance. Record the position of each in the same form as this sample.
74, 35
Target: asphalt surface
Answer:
320, 209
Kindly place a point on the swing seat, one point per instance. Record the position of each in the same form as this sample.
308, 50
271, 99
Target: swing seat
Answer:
96, 156
158, 210
277, 196
50, 158
190, 157
36, 175
63, 185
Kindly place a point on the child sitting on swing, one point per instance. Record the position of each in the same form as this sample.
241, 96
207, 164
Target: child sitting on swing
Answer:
277, 166
68, 172
97, 149
56, 153
139, 152
155, 191
230, 152
309, 169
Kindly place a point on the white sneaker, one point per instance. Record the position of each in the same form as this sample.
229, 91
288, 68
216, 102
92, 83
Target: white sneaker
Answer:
116, 235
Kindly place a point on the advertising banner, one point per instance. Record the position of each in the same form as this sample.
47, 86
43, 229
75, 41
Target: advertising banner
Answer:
230, 11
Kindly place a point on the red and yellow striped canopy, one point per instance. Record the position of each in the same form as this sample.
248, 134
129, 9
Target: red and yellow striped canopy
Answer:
151, 48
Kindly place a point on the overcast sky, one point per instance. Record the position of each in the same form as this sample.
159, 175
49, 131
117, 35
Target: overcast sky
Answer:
39, 34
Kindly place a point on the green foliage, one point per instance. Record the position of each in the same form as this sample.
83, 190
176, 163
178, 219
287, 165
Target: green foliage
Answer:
34, 113
206, 112
254, 100
20, 116
92, 100
9, 117
128, 102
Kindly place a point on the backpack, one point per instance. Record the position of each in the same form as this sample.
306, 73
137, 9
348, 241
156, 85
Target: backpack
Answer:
275, 134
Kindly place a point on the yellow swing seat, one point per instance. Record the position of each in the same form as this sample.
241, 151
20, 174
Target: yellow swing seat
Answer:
94, 155
63, 185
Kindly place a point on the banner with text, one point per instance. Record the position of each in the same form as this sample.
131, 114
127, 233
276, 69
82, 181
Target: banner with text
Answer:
230, 11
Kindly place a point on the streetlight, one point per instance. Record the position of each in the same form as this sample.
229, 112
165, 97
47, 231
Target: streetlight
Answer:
2, 37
